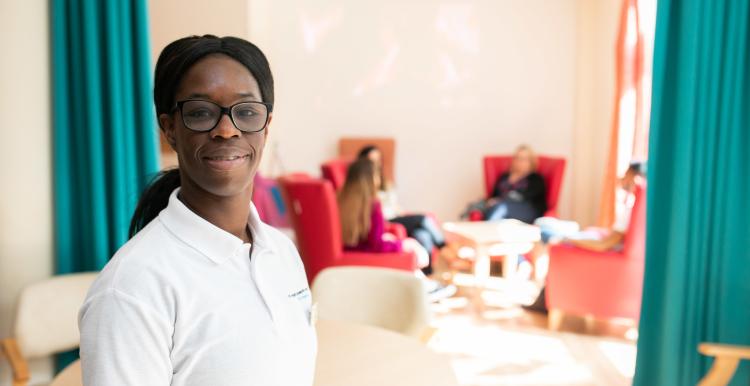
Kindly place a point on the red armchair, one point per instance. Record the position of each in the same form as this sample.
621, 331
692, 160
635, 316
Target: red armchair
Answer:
603, 285
551, 169
334, 171
314, 214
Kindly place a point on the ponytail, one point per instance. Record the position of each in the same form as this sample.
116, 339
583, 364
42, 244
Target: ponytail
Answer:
154, 199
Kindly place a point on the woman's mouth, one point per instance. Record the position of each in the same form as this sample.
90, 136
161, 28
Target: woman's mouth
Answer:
227, 162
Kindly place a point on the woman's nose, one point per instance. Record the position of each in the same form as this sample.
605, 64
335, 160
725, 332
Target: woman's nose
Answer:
225, 128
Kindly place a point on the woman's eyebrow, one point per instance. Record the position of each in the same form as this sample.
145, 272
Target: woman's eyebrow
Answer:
238, 95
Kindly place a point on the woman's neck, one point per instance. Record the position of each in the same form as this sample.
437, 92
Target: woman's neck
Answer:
229, 213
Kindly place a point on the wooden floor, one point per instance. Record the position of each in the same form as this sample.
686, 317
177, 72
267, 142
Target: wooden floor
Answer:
498, 343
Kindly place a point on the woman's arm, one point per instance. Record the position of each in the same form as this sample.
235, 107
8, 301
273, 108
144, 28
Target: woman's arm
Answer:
375, 241
496, 193
601, 245
123, 342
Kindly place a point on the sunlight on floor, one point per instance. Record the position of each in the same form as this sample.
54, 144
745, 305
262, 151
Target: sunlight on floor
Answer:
501, 344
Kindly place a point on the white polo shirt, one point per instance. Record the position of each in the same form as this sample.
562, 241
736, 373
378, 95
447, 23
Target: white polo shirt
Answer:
183, 303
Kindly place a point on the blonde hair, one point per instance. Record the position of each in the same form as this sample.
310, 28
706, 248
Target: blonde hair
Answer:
355, 201
532, 155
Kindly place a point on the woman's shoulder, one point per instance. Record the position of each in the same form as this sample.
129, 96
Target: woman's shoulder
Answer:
140, 267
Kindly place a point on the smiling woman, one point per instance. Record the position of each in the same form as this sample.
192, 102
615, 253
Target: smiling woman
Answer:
203, 293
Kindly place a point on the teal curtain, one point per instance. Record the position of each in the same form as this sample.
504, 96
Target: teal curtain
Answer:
105, 139
697, 280
104, 135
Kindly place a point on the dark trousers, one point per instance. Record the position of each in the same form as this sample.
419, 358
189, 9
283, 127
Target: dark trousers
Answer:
423, 229
518, 210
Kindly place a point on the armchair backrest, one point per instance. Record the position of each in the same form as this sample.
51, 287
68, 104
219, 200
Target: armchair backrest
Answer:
551, 169
334, 171
634, 244
314, 215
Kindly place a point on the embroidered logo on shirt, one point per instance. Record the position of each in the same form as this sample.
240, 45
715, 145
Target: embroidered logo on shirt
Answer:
301, 294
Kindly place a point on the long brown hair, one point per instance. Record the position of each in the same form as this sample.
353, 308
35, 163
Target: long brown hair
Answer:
355, 201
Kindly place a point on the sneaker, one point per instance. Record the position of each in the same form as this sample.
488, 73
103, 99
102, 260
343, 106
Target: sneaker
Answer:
441, 292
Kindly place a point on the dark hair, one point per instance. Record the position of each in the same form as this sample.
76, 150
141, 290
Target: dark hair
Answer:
364, 153
637, 167
174, 61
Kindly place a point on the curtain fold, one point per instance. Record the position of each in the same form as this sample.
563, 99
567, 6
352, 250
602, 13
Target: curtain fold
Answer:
697, 280
105, 140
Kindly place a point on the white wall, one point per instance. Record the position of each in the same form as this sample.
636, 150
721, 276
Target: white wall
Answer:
449, 81
25, 166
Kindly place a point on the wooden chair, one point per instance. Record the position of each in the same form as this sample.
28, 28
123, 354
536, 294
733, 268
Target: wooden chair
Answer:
725, 364
46, 322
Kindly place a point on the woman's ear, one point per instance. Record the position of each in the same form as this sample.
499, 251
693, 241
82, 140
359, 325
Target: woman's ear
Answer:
167, 127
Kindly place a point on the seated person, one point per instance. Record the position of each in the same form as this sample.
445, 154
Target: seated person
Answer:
418, 226
598, 239
520, 192
595, 239
363, 224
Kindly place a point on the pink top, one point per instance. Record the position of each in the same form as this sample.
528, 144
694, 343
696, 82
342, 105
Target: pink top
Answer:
375, 242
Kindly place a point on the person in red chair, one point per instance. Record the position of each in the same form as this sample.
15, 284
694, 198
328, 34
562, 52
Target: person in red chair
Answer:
418, 226
519, 193
363, 223
594, 239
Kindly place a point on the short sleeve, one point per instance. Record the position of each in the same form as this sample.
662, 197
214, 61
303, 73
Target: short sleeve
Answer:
123, 342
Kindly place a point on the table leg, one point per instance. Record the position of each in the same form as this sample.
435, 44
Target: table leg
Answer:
510, 266
481, 276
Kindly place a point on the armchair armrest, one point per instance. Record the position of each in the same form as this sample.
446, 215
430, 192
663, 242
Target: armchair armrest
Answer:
724, 350
725, 364
396, 229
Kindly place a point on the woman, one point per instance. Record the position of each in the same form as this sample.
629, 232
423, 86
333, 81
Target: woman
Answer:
203, 293
519, 193
418, 226
361, 214
363, 224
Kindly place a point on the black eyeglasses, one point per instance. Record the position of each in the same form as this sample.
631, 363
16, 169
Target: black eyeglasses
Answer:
202, 115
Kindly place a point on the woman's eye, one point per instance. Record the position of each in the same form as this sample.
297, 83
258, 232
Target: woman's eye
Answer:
244, 113
202, 113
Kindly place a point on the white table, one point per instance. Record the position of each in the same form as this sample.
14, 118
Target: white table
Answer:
507, 238
351, 354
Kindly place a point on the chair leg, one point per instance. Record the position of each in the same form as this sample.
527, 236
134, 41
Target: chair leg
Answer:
555, 317
589, 323
19, 367
721, 372
427, 334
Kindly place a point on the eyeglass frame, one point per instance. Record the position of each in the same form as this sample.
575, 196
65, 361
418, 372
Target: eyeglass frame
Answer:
224, 111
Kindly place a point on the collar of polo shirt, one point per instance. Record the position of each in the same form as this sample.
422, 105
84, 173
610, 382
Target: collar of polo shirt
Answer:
208, 239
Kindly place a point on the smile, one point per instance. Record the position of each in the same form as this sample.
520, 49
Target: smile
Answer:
226, 162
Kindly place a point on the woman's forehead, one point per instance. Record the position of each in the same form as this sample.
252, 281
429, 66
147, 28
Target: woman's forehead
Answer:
220, 78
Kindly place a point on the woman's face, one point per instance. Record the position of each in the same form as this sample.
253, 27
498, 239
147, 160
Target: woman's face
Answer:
522, 163
375, 157
222, 161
